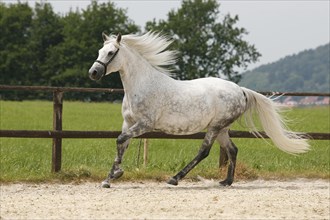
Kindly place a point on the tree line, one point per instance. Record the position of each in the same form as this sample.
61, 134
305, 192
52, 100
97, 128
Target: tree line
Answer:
40, 47
307, 71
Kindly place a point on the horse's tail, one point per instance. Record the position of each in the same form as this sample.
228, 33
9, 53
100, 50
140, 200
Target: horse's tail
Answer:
272, 123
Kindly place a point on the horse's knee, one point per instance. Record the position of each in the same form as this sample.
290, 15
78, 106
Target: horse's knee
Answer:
122, 138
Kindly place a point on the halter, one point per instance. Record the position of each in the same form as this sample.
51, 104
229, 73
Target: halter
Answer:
105, 65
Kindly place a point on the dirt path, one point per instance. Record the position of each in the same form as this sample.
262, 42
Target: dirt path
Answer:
298, 199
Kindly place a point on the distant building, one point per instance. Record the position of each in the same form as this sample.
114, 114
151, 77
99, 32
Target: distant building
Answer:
306, 101
309, 100
324, 101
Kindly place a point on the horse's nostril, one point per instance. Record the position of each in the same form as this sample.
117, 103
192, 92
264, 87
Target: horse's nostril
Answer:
94, 73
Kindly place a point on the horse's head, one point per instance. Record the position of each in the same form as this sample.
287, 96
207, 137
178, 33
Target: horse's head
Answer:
106, 61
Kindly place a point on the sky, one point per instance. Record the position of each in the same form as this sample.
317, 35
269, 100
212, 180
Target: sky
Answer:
276, 28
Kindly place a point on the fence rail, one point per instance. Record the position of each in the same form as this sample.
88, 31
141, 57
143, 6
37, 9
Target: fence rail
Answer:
59, 89
153, 135
110, 90
57, 133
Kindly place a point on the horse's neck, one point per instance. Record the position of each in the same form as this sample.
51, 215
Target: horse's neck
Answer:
138, 76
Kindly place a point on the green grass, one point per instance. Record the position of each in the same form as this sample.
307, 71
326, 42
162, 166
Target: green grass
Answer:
24, 159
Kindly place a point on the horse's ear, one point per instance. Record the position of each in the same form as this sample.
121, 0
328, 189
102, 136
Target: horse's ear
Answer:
118, 38
105, 36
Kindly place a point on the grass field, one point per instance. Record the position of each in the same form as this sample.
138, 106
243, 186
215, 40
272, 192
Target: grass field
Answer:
90, 159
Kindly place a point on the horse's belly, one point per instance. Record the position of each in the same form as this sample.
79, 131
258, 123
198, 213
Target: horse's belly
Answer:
181, 124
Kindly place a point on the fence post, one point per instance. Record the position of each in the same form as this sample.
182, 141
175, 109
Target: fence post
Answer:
145, 151
57, 126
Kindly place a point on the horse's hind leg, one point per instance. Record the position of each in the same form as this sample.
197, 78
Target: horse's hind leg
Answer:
223, 160
229, 153
203, 153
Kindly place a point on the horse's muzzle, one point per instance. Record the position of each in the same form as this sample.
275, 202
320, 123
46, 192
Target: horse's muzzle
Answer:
96, 72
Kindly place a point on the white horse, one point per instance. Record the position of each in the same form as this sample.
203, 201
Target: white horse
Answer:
154, 101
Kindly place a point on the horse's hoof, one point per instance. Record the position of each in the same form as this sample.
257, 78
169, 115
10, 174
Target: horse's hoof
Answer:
117, 173
172, 181
105, 184
226, 182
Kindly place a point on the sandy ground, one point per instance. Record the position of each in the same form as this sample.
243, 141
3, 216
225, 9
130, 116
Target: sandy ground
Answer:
298, 199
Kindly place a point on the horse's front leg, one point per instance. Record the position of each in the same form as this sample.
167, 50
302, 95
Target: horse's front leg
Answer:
116, 171
122, 144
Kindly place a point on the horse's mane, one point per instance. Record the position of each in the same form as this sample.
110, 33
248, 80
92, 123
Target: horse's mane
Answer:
152, 46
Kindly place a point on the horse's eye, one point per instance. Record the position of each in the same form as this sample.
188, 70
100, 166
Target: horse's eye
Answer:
110, 53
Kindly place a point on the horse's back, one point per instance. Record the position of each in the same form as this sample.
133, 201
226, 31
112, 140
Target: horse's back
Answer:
216, 84
220, 91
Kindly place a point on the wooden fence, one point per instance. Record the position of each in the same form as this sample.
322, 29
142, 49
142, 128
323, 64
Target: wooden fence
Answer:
57, 133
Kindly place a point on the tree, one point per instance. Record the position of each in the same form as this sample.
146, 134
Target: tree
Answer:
305, 71
39, 47
15, 56
82, 40
46, 32
207, 47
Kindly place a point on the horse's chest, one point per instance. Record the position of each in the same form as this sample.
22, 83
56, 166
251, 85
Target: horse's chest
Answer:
135, 110
129, 115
